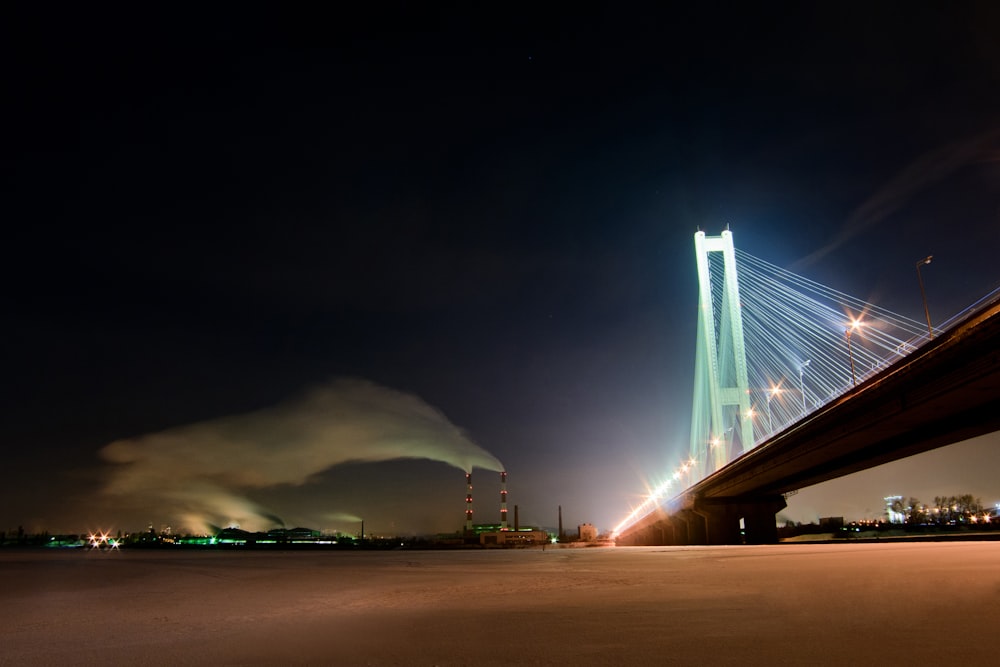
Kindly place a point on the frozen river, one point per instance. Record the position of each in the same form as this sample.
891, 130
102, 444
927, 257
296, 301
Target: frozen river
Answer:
859, 604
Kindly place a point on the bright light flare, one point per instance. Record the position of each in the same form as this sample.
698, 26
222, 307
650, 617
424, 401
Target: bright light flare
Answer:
855, 322
102, 540
645, 507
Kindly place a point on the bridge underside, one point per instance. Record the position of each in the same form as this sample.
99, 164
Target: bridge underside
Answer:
946, 392
710, 522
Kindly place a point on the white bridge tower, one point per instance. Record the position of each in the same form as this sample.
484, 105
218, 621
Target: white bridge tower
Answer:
721, 411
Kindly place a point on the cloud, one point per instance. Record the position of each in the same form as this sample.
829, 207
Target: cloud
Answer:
929, 168
201, 473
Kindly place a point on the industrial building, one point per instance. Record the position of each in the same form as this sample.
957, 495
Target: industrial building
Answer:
500, 535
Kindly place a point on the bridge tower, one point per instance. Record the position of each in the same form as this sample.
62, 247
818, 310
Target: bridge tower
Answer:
721, 408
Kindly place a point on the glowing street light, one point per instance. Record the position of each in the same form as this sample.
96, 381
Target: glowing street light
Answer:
923, 294
688, 468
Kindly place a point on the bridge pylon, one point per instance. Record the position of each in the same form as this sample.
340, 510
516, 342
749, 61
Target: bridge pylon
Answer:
721, 415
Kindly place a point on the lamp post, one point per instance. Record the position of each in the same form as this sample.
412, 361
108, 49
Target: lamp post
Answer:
771, 393
802, 385
923, 294
854, 325
770, 428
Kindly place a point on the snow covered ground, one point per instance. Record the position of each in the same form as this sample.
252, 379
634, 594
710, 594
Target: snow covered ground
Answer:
792, 604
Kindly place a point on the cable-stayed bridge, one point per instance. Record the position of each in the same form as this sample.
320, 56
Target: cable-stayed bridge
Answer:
796, 383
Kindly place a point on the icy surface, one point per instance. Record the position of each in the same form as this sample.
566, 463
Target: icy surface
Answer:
794, 604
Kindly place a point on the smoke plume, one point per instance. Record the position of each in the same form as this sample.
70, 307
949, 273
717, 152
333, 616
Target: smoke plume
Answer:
931, 167
202, 473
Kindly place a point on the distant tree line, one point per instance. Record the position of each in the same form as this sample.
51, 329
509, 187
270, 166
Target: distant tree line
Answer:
946, 511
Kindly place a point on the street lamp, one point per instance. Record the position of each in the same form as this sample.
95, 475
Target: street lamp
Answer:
854, 325
923, 294
771, 393
802, 385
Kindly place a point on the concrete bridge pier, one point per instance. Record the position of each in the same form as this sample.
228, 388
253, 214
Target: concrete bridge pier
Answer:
722, 518
760, 522
660, 531
657, 534
722, 524
668, 532
693, 527
712, 521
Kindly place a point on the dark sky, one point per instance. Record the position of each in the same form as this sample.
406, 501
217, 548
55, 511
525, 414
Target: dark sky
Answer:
477, 217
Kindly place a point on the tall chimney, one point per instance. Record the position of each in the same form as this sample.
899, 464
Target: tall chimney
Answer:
468, 502
517, 525
560, 523
503, 501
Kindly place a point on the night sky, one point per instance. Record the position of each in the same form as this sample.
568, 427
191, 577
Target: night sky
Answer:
254, 256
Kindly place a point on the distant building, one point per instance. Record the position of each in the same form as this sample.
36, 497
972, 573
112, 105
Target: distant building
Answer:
235, 536
291, 535
893, 515
587, 532
514, 538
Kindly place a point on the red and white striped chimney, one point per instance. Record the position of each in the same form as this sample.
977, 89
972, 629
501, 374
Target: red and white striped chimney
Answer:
468, 501
503, 501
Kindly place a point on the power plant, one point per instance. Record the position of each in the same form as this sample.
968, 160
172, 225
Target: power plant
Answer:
499, 534
468, 501
503, 501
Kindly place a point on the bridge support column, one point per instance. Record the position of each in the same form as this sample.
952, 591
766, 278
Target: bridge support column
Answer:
722, 518
760, 522
695, 526
653, 535
679, 531
656, 535
722, 524
659, 529
668, 532
710, 521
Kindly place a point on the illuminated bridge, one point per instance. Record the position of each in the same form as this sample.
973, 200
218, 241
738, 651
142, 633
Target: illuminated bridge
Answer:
818, 385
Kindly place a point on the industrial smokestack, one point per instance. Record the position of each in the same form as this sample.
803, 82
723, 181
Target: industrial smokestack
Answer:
503, 500
468, 502
517, 524
560, 524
